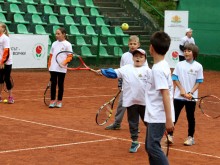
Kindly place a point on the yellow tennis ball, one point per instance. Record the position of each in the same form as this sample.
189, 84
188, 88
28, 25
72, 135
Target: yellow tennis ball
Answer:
5, 100
125, 26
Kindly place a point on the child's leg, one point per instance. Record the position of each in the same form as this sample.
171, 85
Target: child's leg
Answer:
7, 72
133, 120
53, 79
141, 111
1, 83
190, 114
61, 77
154, 134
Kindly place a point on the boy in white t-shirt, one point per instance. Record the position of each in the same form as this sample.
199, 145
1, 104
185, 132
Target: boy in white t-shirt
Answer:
5, 62
187, 76
159, 113
57, 74
136, 80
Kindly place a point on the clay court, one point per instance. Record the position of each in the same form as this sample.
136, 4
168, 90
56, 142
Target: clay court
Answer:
31, 133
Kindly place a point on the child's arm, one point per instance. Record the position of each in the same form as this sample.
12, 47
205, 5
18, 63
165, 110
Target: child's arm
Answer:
167, 107
109, 73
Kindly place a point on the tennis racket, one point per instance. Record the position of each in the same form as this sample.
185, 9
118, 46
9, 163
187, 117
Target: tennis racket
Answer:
12, 84
47, 94
105, 111
165, 145
209, 106
76, 63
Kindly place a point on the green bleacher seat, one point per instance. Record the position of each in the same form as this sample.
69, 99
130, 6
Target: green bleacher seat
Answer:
85, 51
22, 29
30, 2
49, 10
61, 3
90, 31
119, 31
125, 40
2, 11
13, 1
2, 1
18, 18
54, 20
95, 41
89, 3
112, 41
94, 12
75, 3
103, 52
31, 9
100, 22
64, 11
46, 2
15, 9
79, 12
105, 31
85, 22
39, 29
55, 27
70, 21
3, 19
81, 41
75, 31
36, 19
118, 51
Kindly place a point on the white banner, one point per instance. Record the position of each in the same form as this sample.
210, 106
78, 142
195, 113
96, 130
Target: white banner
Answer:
29, 51
176, 22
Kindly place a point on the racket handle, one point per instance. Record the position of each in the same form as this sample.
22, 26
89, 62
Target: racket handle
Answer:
93, 70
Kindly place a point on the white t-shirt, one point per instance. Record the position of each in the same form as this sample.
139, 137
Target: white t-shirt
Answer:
5, 43
57, 47
187, 74
161, 79
127, 58
136, 80
185, 40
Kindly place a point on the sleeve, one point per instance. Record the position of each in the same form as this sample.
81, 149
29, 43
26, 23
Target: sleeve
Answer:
49, 60
109, 73
200, 77
161, 80
175, 77
5, 55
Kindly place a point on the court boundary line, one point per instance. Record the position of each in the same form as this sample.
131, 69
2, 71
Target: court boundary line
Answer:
96, 134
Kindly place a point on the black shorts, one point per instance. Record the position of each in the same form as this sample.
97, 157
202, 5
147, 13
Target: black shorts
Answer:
5, 73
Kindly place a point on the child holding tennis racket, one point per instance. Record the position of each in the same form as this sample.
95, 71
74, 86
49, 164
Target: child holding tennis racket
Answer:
136, 80
5, 62
57, 73
127, 58
187, 76
159, 113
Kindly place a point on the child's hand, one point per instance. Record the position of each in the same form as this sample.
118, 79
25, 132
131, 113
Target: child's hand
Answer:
99, 72
182, 92
188, 96
1, 66
169, 126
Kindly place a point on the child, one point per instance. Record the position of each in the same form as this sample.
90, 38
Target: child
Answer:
5, 62
187, 76
136, 78
127, 58
57, 74
159, 112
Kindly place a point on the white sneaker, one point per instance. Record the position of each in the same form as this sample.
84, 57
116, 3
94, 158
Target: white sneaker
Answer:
189, 141
169, 140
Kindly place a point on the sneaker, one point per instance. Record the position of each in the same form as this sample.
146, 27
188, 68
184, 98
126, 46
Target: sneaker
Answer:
11, 100
59, 104
169, 140
189, 141
113, 127
134, 147
52, 104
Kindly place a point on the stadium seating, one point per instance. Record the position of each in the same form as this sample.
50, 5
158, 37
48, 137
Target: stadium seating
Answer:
54, 20
22, 29
105, 31
39, 29
31, 9
119, 31
85, 51
69, 21
55, 27
100, 22
118, 51
14, 1
75, 3
61, 3
36, 19
30, 2
95, 41
90, 31
46, 2
18, 18
85, 22
15, 9
3, 19
64, 11
80, 41
80, 12
49, 10
89, 3
112, 41
2, 11
75, 31
103, 52
94, 12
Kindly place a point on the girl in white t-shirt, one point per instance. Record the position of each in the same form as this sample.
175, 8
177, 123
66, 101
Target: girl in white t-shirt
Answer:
57, 74
187, 76
5, 62
136, 80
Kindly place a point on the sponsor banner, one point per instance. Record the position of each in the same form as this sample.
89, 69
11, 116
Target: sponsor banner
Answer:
29, 51
176, 22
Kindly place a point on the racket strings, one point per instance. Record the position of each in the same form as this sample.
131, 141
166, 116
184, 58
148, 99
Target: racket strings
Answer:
210, 106
104, 114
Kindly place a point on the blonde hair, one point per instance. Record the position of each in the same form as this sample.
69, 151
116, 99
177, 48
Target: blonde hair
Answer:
134, 38
5, 28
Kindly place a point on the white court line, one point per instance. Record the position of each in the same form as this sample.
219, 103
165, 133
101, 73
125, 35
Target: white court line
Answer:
110, 137
52, 146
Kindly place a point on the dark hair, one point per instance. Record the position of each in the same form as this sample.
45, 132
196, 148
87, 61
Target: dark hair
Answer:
193, 48
63, 31
160, 42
